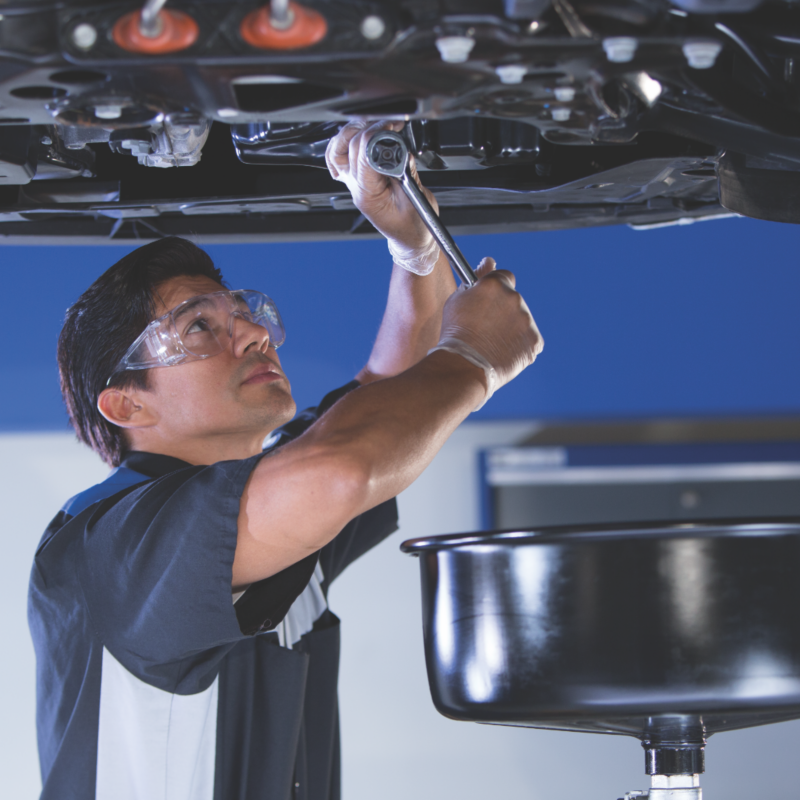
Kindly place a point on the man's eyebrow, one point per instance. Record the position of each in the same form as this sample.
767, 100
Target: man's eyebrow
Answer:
192, 304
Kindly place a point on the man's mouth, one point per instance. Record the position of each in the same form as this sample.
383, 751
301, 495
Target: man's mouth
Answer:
263, 373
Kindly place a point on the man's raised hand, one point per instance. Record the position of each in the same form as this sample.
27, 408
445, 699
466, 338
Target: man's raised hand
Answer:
381, 199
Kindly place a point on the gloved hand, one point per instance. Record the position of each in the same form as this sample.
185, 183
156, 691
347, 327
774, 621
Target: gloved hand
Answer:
490, 326
381, 199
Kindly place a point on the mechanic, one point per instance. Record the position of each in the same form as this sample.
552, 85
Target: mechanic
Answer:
184, 646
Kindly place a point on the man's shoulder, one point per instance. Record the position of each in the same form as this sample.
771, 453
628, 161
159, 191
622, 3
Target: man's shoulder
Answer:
120, 479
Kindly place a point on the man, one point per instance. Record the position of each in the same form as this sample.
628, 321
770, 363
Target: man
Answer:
184, 646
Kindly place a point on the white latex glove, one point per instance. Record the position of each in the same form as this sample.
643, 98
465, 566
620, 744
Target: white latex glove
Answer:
381, 199
490, 326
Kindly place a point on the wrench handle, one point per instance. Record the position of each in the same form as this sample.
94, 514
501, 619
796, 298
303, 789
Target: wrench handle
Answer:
438, 231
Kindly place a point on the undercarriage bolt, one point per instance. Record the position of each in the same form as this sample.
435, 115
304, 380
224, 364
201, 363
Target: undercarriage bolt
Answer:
511, 73
281, 15
620, 49
561, 114
455, 49
372, 27
84, 36
701, 55
564, 94
108, 112
151, 23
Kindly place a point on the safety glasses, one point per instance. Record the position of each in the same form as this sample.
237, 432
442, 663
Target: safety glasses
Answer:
201, 327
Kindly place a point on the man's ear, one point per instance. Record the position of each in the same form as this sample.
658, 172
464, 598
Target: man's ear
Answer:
125, 408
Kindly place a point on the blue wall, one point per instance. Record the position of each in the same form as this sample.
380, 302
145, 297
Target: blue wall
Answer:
678, 321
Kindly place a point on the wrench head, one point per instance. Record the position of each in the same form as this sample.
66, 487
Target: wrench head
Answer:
388, 153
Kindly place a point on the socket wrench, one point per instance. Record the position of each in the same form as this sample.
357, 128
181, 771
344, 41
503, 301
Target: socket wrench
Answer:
388, 154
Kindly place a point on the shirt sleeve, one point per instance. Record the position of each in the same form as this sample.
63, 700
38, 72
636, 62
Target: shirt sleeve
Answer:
357, 537
156, 570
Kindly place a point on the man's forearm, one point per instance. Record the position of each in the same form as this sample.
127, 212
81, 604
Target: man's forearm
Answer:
395, 427
411, 322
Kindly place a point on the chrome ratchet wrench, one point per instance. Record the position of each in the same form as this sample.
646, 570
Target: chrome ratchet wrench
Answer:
388, 154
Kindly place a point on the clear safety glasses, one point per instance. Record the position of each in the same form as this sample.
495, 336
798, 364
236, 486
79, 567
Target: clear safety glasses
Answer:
201, 327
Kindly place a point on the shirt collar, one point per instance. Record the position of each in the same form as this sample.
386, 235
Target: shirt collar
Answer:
153, 465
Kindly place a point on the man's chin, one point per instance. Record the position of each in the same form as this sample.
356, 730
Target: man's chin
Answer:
289, 412
268, 408
280, 405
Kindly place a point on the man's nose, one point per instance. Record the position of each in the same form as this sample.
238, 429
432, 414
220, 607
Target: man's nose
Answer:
247, 336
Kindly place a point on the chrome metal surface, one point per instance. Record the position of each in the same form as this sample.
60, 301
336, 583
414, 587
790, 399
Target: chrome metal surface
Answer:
281, 15
150, 23
661, 631
675, 787
389, 155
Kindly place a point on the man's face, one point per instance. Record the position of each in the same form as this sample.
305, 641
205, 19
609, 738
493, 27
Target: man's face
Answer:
243, 391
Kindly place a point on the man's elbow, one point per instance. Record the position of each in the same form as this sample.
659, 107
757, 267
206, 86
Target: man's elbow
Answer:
340, 488
350, 487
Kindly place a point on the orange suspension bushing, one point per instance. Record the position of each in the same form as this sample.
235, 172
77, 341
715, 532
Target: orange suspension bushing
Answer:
178, 31
307, 28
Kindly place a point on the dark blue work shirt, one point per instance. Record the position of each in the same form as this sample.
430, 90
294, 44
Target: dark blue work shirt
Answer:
151, 683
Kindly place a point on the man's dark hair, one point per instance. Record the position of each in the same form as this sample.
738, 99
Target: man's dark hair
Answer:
103, 323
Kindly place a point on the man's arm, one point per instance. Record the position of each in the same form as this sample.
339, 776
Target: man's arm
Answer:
366, 449
413, 315
411, 322
378, 439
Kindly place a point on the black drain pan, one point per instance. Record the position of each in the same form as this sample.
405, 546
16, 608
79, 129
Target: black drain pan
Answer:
668, 632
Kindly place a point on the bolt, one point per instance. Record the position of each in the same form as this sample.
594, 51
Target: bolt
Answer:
701, 55
455, 49
620, 49
108, 112
153, 28
561, 114
511, 73
84, 36
281, 15
46, 141
372, 27
564, 94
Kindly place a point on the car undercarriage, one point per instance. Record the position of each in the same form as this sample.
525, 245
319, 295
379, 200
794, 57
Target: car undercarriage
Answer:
210, 118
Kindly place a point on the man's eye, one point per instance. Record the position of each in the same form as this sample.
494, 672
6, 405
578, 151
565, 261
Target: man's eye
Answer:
199, 326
